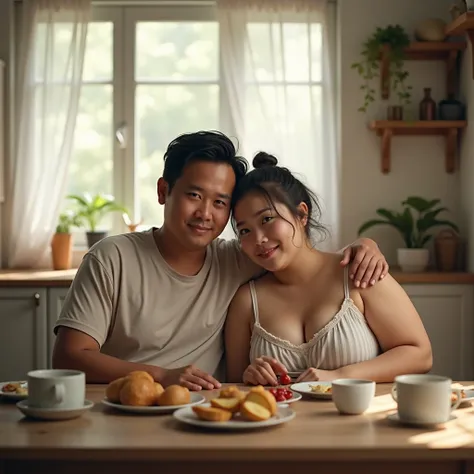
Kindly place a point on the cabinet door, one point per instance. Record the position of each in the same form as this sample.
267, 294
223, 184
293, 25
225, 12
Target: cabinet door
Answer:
56, 298
23, 332
447, 313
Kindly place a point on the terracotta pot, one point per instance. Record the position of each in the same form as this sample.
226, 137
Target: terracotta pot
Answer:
61, 250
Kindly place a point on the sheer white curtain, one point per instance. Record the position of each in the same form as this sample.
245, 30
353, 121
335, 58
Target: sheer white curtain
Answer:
49, 74
276, 62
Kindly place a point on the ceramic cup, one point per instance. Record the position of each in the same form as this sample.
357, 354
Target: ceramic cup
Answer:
352, 396
60, 389
424, 398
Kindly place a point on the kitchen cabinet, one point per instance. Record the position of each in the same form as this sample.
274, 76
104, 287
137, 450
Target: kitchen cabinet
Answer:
23, 341
447, 312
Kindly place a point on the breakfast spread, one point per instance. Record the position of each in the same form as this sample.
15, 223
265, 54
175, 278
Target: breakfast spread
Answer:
138, 388
18, 388
257, 405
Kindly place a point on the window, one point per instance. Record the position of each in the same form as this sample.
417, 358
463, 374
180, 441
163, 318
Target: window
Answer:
176, 90
152, 73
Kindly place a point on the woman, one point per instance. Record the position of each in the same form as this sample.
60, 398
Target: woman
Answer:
304, 315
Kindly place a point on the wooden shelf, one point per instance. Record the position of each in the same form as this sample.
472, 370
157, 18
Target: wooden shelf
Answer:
432, 276
387, 129
463, 24
424, 51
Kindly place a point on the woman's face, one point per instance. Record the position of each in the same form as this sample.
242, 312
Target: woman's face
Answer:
270, 236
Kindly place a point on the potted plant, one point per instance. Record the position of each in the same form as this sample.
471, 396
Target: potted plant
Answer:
61, 244
91, 210
413, 229
390, 41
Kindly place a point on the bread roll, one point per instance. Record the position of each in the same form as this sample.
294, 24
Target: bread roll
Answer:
138, 391
229, 404
212, 414
254, 411
159, 390
232, 392
141, 373
263, 398
174, 395
112, 392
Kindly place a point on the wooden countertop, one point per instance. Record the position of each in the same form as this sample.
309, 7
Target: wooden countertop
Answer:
318, 433
37, 277
63, 278
456, 278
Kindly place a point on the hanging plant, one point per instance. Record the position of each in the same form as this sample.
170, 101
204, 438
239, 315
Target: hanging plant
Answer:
392, 41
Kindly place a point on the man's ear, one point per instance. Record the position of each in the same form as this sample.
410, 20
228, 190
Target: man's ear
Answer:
162, 190
304, 212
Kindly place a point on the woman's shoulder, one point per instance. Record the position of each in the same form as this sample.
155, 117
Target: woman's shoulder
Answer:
242, 297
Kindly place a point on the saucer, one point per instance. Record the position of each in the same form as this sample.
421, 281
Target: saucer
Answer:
394, 417
53, 413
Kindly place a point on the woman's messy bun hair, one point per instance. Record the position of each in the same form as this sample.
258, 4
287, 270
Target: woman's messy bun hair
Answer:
278, 184
263, 160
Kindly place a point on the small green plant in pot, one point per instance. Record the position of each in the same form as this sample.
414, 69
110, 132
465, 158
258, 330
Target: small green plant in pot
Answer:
91, 210
414, 229
61, 244
391, 41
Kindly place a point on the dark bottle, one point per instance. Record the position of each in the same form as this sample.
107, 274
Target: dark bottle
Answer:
427, 106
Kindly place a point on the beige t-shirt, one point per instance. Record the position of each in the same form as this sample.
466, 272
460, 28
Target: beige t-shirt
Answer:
139, 309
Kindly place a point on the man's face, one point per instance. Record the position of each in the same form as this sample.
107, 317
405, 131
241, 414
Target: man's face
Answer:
197, 208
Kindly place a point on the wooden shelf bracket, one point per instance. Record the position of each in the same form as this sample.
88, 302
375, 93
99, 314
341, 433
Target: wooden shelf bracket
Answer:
385, 73
451, 73
386, 150
387, 129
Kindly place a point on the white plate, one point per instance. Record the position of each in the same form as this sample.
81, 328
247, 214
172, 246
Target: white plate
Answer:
283, 415
53, 414
395, 418
305, 389
13, 396
196, 399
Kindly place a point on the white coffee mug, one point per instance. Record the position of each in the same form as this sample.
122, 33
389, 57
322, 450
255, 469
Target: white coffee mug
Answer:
424, 398
352, 396
56, 389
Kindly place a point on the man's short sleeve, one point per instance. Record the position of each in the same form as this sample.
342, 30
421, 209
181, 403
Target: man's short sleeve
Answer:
234, 257
88, 306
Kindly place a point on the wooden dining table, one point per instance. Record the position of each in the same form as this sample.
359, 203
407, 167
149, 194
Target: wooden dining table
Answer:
317, 440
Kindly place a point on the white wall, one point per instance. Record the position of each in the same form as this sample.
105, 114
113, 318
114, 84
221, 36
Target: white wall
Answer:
467, 154
417, 162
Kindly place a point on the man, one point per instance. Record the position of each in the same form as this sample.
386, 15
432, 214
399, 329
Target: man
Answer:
157, 300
